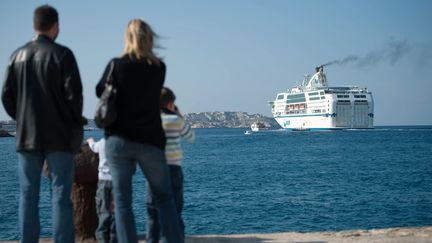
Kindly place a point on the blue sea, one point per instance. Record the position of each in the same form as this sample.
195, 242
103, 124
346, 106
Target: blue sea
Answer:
278, 181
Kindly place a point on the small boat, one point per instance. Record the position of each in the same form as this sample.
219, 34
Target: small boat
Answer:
247, 132
257, 126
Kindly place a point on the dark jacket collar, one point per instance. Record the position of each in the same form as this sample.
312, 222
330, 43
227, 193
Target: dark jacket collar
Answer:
167, 111
43, 38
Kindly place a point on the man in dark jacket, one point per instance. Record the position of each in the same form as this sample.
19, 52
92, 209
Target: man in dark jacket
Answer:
42, 91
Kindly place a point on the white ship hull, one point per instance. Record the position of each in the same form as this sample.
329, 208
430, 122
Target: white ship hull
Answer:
318, 107
315, 122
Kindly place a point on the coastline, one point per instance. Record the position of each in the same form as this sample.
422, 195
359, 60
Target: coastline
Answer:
394, 235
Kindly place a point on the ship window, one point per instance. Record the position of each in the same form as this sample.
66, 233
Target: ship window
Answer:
314, 98
280, 97
314, 93
323, 97
296, 98
321, 93
316, 111
340, 96
359, 96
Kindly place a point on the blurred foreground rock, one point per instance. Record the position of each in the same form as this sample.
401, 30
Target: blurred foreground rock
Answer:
83, 194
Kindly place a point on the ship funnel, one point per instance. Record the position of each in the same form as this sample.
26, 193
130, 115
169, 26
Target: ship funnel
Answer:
319, 79
319, 68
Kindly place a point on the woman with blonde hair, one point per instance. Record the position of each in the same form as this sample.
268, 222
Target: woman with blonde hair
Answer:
137, 134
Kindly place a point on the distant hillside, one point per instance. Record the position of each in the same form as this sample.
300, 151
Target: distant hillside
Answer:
217, 119
226, 119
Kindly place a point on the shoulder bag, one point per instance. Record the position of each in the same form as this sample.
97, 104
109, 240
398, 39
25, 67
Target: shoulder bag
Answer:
106, 112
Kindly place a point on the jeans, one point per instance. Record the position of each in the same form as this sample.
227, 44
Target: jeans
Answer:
122, 156
153, 231
105, 231
61, 173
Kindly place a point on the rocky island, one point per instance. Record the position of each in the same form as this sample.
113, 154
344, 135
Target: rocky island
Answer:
228, 119
4, 133
7, 128
215, 119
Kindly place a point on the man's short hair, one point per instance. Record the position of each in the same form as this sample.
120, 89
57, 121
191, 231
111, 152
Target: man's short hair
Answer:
44, 17
166, 97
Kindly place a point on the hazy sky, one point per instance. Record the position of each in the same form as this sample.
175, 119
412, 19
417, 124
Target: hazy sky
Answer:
229, 55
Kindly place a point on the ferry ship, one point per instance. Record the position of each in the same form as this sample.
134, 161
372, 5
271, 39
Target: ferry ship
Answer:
313, 105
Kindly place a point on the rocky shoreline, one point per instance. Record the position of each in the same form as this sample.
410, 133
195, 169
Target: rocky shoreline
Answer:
393, 235
228, 119
4, 133
215, 119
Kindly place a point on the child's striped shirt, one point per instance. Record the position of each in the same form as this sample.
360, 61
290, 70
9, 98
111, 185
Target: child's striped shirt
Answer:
175, 127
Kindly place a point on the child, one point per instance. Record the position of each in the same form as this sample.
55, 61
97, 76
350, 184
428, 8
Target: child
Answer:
175, 127
105, 231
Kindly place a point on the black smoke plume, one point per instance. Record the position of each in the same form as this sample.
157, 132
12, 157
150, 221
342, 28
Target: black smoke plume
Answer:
391, 52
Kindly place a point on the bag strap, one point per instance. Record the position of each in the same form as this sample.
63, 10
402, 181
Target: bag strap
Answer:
110, 76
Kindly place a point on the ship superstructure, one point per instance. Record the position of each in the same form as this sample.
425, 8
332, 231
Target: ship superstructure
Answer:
314, 105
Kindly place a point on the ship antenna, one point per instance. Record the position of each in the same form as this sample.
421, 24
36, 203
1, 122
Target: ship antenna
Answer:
305, 79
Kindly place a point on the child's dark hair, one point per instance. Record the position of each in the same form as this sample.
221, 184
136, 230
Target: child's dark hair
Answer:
166, 97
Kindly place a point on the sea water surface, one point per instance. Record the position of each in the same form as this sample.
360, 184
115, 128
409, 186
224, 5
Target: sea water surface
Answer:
278, 181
